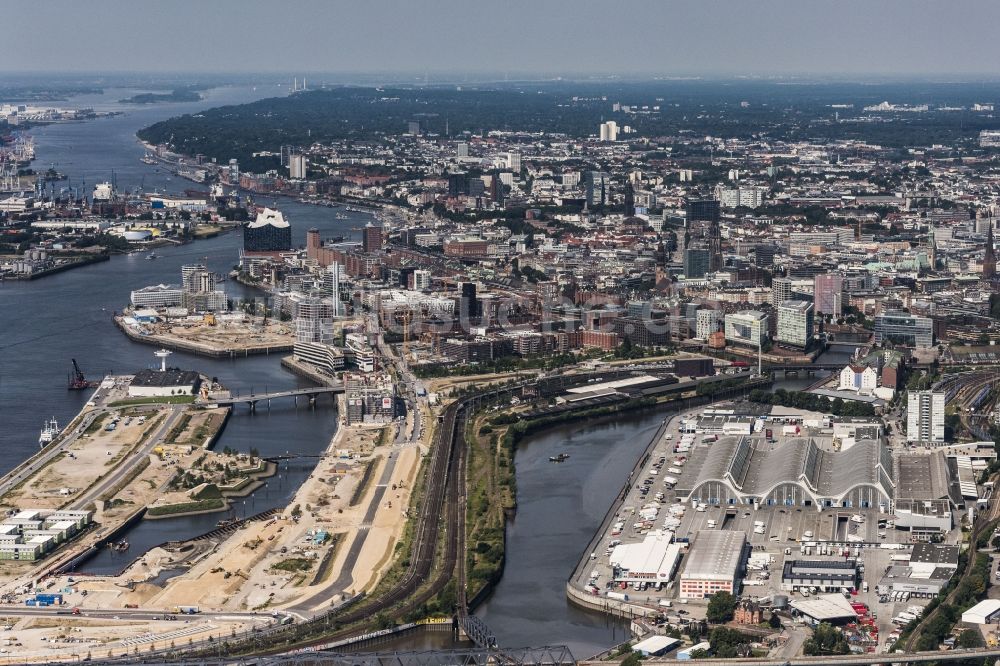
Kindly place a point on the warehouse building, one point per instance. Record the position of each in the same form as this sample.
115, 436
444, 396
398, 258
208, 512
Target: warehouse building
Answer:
902, 578
714, 564
797, 472
656, 646
923, 503
986, 611
831, 608
652, 560
824, 575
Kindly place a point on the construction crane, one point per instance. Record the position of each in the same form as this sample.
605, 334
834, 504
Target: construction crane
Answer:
77, 382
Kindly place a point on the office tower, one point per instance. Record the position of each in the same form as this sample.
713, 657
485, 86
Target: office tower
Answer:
496, 189
270, 232
413, 128
748, 327
458, 184
704, 214
703, 210
372, 239
990, 258
514, 162
332, 278
629, 200
297, 167
313, 320
925, 417
421, 280
764, 255
469, 304
828, 293
781, 290
461, 149
795, 323
903, 328
596, 183
696, 262
476, 187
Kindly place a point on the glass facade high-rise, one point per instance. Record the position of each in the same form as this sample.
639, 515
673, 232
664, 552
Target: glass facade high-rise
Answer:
903, 328
696, 262
828, 293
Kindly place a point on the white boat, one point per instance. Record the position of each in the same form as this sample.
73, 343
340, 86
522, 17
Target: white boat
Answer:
49, 431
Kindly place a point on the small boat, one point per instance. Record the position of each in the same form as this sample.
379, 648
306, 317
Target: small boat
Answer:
119, 547
151, 255
559, 458
49, 431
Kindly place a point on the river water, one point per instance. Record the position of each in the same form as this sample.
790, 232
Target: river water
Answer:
46, 322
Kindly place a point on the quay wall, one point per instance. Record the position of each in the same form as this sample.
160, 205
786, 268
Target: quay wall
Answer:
193, 348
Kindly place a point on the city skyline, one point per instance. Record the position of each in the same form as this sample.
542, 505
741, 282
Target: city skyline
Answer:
776, 38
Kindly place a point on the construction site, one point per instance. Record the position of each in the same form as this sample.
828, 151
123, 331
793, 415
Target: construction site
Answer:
141, 450
215, 335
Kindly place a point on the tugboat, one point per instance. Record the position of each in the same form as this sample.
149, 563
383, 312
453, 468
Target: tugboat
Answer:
559, 458
49, 431
119, 547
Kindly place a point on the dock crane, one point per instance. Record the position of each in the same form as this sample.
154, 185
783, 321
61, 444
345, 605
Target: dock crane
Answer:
77, 381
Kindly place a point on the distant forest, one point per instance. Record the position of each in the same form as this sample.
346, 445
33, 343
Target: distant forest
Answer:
701, 108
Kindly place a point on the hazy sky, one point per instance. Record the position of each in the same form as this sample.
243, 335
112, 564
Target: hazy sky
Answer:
518, 36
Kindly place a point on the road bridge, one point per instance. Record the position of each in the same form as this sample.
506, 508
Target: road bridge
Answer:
253, 398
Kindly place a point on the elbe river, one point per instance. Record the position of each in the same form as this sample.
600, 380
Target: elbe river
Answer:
46, 322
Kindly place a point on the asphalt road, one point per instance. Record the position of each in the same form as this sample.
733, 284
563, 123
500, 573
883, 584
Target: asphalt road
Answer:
128, 464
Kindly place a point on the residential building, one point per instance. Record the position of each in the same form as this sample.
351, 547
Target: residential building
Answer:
925, 417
